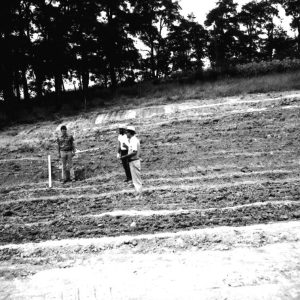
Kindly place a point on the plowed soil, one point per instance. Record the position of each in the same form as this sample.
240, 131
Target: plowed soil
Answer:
205, 164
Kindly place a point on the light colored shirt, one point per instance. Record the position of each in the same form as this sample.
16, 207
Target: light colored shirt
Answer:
134, 145
123, 139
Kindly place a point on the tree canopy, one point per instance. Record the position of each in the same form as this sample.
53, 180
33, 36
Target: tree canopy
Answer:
46, 43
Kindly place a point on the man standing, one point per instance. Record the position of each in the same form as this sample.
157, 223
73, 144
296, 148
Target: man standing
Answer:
66, 151
123, 150
133, 156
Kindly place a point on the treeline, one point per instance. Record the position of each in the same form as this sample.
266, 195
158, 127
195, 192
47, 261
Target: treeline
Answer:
118, 42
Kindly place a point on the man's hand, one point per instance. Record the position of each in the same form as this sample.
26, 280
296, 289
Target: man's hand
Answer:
118, 155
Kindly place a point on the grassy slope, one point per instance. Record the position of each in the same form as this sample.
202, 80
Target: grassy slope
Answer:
148, 94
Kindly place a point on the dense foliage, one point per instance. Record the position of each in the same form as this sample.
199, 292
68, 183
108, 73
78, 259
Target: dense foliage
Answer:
47, 44
263, 67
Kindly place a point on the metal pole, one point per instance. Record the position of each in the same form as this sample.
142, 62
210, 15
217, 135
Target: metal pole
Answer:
49, 171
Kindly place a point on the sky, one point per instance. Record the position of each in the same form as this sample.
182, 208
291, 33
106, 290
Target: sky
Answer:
200, 8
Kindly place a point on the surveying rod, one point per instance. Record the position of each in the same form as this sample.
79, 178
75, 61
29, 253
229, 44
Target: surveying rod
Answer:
49, 171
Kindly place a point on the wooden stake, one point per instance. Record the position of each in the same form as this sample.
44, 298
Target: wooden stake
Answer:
49, 171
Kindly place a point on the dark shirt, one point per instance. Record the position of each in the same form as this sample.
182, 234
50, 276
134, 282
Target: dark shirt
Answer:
65, 143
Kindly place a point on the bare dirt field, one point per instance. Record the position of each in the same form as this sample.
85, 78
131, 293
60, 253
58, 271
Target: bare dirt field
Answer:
219, 217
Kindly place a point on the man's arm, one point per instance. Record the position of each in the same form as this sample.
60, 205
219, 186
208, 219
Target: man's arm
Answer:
134, 149
119, 147
119, 150
129, 155
58, 148
73, 145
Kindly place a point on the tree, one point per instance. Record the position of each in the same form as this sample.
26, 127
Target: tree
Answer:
187, 42
51, 43
258, 20
22, 47
251, 18
153, 20
269, 11
225, 34
115, 39
7, 43
82, 43
283, 45
292, 8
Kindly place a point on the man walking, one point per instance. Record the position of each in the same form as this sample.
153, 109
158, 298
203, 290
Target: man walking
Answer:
133, 156
66, 151
123, 150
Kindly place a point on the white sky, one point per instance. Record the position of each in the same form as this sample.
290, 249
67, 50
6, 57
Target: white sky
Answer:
200, 8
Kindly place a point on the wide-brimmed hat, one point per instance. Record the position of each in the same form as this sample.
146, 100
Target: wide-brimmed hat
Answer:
130, 128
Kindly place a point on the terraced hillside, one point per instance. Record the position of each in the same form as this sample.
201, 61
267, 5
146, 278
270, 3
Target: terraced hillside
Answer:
206, 164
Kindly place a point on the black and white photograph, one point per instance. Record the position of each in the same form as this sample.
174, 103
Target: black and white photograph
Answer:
150, 150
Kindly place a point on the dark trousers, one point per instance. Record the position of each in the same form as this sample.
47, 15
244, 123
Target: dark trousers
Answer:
125, 164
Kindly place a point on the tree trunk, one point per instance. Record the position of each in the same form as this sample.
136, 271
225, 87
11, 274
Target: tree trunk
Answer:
63, 86
113, 77
270, 42
39, 86
85, 83
38, 83
84, 74
111, 54
105, 80
298, 40
8, 93
152, 60
25, 84
219, 54
85, 80
58, 83
7, 82
17, 92
80, 83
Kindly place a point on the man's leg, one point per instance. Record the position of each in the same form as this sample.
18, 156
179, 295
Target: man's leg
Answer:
70, 166
135, 168
64, 165
126, 167
127, 170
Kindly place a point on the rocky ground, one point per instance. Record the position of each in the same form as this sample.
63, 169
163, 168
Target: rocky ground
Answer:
229, 162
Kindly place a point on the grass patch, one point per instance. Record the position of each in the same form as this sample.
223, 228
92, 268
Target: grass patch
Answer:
150, 94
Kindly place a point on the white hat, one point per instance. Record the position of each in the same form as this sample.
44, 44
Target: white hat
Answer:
130, 128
